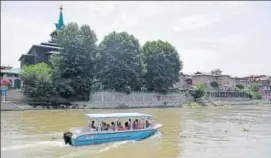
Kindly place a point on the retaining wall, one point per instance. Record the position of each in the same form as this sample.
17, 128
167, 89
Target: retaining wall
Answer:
135, 99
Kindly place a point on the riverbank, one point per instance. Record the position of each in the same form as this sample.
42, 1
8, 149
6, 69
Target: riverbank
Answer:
15, 106
10, 106
245, 102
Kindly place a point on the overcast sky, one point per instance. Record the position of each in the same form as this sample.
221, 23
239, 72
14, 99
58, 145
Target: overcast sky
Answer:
232, 36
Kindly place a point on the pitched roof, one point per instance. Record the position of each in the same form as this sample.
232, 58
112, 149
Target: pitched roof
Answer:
40, 45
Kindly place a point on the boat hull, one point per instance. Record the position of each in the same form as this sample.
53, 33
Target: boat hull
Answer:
99, 138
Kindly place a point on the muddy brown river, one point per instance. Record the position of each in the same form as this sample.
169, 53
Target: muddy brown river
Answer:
223, 132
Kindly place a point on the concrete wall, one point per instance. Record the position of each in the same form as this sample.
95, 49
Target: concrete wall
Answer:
135, 99
140, 99
15, 95
9, 107
228, 98
242, 102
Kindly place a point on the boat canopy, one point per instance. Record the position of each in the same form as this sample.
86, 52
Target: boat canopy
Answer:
118, 115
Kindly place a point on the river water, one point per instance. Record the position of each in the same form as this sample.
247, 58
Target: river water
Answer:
207, 132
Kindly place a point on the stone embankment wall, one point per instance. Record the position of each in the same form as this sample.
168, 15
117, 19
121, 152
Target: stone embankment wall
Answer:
121, 100
135, 99
243, 102
9, 106
140, 99
15, 95
227, 98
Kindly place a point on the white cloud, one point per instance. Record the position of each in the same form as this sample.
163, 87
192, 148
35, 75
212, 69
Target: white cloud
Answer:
207, 34
124, 22
235, 3
194, 21
17, 36
94, 8
149, 9
233, 40
194, 58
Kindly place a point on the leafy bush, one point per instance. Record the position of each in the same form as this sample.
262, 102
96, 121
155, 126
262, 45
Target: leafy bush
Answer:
258, 95
255, 87
198, 91
240, 86
37, 82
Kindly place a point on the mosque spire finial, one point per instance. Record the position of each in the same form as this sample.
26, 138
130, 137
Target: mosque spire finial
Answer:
60, 23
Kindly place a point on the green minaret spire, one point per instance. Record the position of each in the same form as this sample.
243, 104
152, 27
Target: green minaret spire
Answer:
60, 23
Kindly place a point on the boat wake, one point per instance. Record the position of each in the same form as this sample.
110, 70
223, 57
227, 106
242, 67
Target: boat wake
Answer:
114, 145
60, 143
37, 144
156, 135
87, 151
54, 135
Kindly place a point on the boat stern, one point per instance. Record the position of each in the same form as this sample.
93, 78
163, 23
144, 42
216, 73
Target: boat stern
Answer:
67, 137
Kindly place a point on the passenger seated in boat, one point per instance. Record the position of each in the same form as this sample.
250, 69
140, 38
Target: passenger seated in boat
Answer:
139, 125
120, 127
134, 125
112, 127
126, 126
103, 126
147, 124
107, 127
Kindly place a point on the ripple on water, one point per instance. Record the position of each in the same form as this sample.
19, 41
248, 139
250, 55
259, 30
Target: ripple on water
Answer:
223, 134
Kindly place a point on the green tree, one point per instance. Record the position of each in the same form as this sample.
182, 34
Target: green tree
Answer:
74, 66
258, 95
214, 84
198, 91
248, 91
162, 65
240, 86
37, 82
236, 89
120, 63
255, 92
255, 87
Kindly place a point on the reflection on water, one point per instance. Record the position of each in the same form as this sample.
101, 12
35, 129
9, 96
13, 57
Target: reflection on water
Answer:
227, 132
